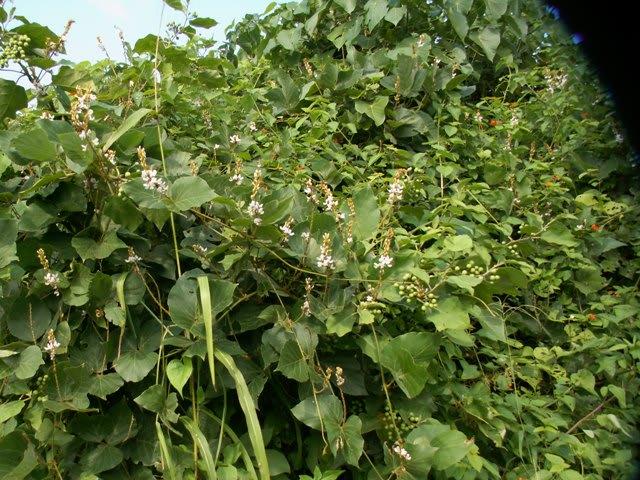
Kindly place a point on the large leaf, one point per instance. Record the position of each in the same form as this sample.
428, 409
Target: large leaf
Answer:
30, 361
127, 125
13, 97
89, 248
134, 366
35, 146
8, 235
28, 319
292, 362
18, 457
488, 39
407, 358
375, 110
450, 315
495, 8
190, 192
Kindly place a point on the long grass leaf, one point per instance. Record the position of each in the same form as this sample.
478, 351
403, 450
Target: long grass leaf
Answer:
166, 456
203, 447
249, 410
207, 315
244, 453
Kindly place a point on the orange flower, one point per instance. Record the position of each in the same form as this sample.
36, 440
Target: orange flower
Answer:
595, 227
493, 123
548, 183
299, 167
556, 178
592, 316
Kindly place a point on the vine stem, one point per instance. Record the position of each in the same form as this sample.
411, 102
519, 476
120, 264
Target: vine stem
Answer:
588, 416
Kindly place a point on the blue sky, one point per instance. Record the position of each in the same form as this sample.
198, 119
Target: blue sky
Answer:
136, 18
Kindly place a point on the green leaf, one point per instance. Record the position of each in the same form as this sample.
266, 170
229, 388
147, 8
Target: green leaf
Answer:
18, 457
278, 463
103, 385
28, 320
123, 211
10, 409
34, 146
327, 410
30, 361
407, 357
458, 243
347, 439
488, 39
8, 235
134, 366
558, 234
178, 373
203, 22
79, 160
584, 379
375, 12
176, 5
449, 446
464, 282
450, 315
292, 362
127, 125
13, 97
190, 192
459, 22
375, 110
495, 8
367, 217
88, 248
101, 458
347, 5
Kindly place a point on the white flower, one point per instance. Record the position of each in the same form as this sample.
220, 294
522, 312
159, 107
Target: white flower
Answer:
514, 119
46, 116
237, 179
619, 138
305, 235
234, 139
330, 203
325, 261
306, 308
383, 262
51, 279
83, 134
216, 146
152, 182
111, 156
286, 229
256, 208
156, 75
133, 259
401, 452
396, 189
252, 126
257, 220
52, 345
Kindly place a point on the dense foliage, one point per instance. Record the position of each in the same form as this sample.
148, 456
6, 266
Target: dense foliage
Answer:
368, 240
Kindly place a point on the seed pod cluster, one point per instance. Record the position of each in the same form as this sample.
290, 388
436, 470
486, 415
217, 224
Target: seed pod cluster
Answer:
13, 49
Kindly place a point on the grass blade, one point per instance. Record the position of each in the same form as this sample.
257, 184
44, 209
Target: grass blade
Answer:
203, 447
205, 301
166, 456
249, 410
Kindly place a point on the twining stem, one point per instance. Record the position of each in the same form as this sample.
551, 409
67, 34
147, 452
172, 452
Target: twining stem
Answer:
588, 415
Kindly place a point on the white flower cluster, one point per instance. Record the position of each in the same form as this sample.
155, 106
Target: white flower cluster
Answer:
84, 99
384, 261
286, 229
152, 182
236, 178
133, 258
325, 259
252, 126
52, 345
556, 81
234, 139
255, 210
330, 203
46, 116
110, 155
396, 189
401, 452
52, 280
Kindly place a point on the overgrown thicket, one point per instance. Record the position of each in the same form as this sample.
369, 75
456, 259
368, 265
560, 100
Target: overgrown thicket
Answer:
368, 240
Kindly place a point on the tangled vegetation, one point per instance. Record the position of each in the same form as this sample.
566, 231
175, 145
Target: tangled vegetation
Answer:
366, 240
